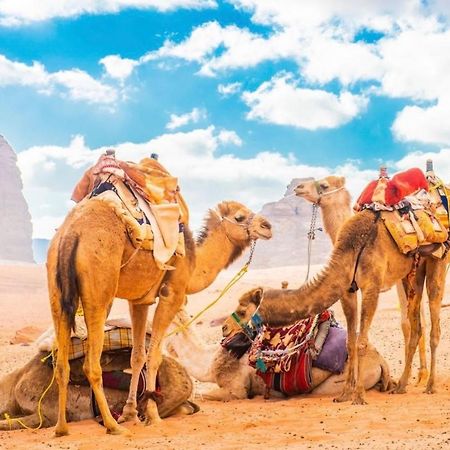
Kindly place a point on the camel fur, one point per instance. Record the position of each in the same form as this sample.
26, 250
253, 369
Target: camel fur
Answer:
380, 265
334, 202
237, 380
91, 261
21, 390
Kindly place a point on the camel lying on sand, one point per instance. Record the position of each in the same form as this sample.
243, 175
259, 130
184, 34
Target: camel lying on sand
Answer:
334, 202
21, 390
237, 380
93, 237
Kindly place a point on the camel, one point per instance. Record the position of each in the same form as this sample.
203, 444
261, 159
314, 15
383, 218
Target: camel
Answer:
334, 201
21, 390
92, 261
364, 254
236, 379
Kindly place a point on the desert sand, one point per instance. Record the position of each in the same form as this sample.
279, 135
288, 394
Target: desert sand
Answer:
413, 420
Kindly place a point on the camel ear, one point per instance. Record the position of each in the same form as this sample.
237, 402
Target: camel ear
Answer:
341, 181
223, 208
257, 296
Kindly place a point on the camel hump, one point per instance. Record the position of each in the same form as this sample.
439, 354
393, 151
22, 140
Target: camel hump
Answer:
66, 277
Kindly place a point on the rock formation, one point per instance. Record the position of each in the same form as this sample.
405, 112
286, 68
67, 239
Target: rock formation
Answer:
291, 218
15, 219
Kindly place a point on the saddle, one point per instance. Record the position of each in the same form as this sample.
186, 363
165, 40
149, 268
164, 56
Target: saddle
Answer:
284, 356
147, 200
412, 210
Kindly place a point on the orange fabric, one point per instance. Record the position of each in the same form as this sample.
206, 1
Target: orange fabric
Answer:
149, 177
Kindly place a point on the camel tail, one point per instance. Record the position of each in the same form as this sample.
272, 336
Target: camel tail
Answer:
66, 278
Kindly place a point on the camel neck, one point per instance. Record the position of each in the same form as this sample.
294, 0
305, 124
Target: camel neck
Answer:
211, 256
335, 213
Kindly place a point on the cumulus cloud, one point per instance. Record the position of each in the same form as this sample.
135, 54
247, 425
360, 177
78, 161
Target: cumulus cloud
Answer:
14, 13
74, 84
229, 89
177, 121
283, 102
118, 67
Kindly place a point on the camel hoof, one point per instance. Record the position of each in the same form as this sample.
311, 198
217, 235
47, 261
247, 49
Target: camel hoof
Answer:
398, 390
345, 397
422, 377
129, 417
61, 430
429, 390
154, 421
359, 400
119, 430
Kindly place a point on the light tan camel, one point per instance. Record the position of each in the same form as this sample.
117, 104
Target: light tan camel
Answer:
236, 379
91, 260
334, 202
364, 252
21, 390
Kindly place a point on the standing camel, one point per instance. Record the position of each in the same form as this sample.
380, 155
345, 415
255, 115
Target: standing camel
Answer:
91, 260
366, 254
334, 202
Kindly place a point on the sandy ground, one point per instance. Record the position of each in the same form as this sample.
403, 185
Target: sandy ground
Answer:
414, 420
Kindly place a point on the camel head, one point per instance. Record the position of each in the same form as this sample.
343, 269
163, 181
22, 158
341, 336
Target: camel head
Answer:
241, 225
248, 304
315, 191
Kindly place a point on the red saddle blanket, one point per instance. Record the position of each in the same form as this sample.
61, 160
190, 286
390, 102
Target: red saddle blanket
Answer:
282, 355
389, 192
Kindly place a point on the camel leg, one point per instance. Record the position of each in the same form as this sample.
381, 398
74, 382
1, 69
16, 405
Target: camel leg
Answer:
368, 308
95, 317
225, 394
62, 373
138, 315
436, 274
415, 326
350, 307
406, 328
171, 299
31, 421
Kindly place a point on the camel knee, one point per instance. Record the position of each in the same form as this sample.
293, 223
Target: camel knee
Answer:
137, 356
362, 348
93, 373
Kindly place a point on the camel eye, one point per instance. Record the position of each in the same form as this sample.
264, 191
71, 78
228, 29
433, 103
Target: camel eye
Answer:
300, 186
239, 218
324, 186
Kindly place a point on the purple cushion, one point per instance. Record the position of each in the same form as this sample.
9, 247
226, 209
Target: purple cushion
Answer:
334, 351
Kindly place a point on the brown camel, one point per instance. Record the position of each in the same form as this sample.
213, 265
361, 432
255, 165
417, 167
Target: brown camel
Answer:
236, 378
91, 260
334, 202
21, 390
365, 239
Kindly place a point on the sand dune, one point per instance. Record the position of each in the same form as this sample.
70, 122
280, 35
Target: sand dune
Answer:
414, 420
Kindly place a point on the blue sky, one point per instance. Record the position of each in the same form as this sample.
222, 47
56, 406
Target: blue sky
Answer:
236, 96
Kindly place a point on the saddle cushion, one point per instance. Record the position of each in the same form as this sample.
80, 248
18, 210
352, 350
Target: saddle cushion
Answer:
334, 351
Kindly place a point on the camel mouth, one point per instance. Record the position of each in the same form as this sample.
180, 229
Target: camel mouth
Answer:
265, 235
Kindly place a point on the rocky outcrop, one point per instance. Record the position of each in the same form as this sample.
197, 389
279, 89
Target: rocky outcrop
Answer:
291, 218
15, 220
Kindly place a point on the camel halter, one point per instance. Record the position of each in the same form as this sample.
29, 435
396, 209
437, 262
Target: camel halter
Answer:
245, 224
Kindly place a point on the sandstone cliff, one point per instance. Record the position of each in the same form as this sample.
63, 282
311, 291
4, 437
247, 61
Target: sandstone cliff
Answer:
15, 219
291, 218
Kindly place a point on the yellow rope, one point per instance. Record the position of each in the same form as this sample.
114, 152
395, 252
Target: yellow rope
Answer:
233, 281
39, 407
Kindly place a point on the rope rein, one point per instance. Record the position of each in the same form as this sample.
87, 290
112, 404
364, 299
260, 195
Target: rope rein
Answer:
230, 284
312, 235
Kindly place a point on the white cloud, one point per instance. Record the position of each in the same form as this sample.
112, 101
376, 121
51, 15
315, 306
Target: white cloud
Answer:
118, 67
441, 162
177, 121
241, 48
424, 124
74, 84
229, 89
20, 12
282, 102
